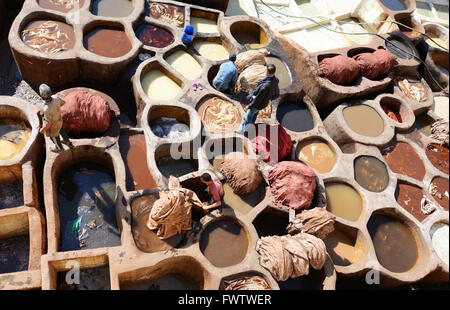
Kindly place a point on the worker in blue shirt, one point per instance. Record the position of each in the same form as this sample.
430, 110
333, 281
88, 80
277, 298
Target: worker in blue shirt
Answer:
227, 75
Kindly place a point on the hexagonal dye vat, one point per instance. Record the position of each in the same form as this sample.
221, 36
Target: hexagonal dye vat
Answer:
295, 116
168, 166
134, 154
168, 282
204, 22
112, 8
439, 189
224, 234
364, 120
169, 122
14, 254
165, 13
63, 6
413, 89
243, 203
249, 33
14, 135
90, 279
11, 194
147, 240
439, 239
271, 222
403, 159
219, 115
343, 201
213, 50
107, 41
317, 154
438, 156
394, 242
409, 197
154, 36
371, 173
282, 73
48, 36
185, 64
159, 86
344, 245
86, 199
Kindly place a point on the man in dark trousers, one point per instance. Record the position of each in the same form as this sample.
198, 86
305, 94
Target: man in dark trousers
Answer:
258, 100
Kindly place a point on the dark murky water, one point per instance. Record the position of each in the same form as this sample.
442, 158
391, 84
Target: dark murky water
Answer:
169, 166
295, 116
154, 36
90, 279
371, 173
169, 282
86, 196
14, 254
11, 194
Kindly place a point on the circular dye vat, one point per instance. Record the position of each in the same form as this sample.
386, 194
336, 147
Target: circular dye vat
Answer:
441, 106
399, 49
211, 50
395, 245
371, 173
295, 116
439, 239
394, 5
242, 204
343, 201
282, 73
176, 167
158, 86
220, 235
14, 135
318, 155
249, 33
439, 189
402, 159
392, 113
438, 156
342, 249
112, 8
219, 115
364, 120
184, 63
154, 36
107, 42
86, 199
48, 36
413, 89
63, 6
409, 197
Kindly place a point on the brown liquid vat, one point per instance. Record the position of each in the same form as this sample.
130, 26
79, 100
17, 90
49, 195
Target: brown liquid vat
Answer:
403, 159
249, 33
58, 6
147, 240
345, 246
404, 113
223, 233
210, 106
409, 197
439, 190
111, 42
186, 267
438, 155
318, 154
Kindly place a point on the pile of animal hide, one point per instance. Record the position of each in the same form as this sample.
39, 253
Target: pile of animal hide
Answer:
251, 66
248, 284
242, 174
318, 222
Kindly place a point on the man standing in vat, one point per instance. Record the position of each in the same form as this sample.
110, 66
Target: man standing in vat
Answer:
227, 75
258, 100
52, 126
215, 190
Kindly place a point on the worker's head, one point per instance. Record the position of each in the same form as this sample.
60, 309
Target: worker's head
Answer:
206, 178
271, 69
45, 92
232, 57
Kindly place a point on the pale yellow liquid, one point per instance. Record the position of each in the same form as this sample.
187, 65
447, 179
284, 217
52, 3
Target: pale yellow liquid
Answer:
318, 155
342, 250
343, 201
364, 120
204, 25
159, 86
211, 50
9, 150
184, 63
441, 106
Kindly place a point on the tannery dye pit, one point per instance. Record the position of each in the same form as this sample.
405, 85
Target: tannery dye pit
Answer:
343, 184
